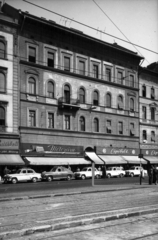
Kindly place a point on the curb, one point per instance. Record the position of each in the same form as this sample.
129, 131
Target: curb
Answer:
90, 219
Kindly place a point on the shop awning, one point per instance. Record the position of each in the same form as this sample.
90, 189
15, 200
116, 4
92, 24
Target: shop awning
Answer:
55, 161
11, 159
134, 160
94, 158
151, 159
113, 159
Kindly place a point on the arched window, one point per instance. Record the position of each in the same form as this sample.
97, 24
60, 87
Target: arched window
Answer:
82, 124
2, 116
143, 91
82, 95
2, 49
96, 125
67, 94
95, 98
32, 85
2, 82
131, 104
120, 102
108, 100
152, 93
50, 89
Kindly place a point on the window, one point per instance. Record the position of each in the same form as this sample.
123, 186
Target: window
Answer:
32, 85
120, 77
152, 136
152, 93
132, 132
67, 94
2, 83
108, 74
95, 71
82, 67
120, 127
2, 50
108, 100
50, 59
131, 81
96, 125
131, 104
152, 109
67, 64
50, 120
2, 116
50, 90
67, 122
32, 118
82, 124
143, 91
143, 112
82, 95
96, 98
32, 55
108, 126
144, 135
120, 102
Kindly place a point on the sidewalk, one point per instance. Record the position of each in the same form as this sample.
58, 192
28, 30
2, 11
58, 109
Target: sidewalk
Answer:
22, 216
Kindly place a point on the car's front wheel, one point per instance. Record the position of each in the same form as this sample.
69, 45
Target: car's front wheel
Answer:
108, 175
34, 180
69, 177
97, 176
132, 174
121, 175
14, 180
83, 177
49, 178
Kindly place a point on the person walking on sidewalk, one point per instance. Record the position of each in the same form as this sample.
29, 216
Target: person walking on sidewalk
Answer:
150, 173
155, 175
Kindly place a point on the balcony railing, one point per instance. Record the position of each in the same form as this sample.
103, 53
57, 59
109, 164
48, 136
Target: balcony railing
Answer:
69, 103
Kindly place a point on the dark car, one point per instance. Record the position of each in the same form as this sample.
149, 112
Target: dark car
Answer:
58, 173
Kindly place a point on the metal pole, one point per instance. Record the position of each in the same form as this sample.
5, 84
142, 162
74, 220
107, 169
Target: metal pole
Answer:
93, 167
140, 172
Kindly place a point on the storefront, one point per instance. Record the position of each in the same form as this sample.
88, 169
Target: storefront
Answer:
150, 155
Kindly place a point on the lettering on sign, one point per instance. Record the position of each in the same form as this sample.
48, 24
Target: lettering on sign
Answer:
9, 144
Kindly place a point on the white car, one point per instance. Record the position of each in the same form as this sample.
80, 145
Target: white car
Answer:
115, 172
135, 171
86, 172
22, 175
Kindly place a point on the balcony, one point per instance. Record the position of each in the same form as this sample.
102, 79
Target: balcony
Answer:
69, 104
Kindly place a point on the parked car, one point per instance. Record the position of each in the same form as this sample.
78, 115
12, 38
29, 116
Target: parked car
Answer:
58, 173
115, 172
22, 175
135, 171
86, 172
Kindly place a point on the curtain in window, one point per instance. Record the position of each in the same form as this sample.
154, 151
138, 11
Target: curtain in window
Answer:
32, 85
152, 113
108, 100
131, 104
143, 112
50, 90
82, 95
82, 124
67, 94
96, 125
152, 93
131, 81
96, 98
66, 63
2, 82
120, 102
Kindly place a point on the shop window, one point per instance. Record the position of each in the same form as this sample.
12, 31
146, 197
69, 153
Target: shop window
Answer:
132, 130
108, 100
82, 95
143, 91
108, 126
131, 104
2, 82
144, 136
50, 120
2, 116
120, 127
32, 118
120, 102
153, 136
67, 122
32, 85
143, 112
96, 125
152, 109
50, 89
82, 124
32, 54
50, 59
131, 81
108, 74
81, 67
152, 93
67, 94
67, 64
95, 98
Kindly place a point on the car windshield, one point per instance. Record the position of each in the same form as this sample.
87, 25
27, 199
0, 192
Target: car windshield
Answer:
54, 169
132, 168
84, 169
109, 168
18, 171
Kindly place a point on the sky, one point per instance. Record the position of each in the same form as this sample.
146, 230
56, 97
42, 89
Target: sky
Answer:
130, 20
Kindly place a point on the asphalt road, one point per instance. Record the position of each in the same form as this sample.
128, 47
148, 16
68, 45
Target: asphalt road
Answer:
62, 184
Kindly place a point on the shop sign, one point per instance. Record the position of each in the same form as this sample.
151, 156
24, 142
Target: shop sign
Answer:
150, 152
117, 151
9, 144
28, 149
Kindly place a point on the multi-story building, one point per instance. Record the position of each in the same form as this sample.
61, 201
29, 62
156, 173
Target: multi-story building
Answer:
76, 93
9, 92
148, 80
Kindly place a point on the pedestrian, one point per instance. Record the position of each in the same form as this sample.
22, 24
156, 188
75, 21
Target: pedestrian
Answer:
155, 175
6, 171
78, 169
99, 168
150, 172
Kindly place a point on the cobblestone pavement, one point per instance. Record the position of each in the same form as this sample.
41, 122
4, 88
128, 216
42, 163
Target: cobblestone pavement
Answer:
28, 216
